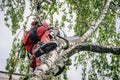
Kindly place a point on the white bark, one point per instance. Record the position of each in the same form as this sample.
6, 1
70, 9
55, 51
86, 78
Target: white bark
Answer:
95, 24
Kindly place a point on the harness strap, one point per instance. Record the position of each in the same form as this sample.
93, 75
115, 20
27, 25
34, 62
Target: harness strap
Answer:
33, 36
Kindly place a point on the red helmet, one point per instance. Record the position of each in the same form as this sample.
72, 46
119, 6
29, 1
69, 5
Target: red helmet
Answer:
34, 23
44, 23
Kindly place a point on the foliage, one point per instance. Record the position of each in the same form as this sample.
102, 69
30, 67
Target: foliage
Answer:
78, 15
14, 13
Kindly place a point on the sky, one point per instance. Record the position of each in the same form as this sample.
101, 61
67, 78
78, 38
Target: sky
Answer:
5, 42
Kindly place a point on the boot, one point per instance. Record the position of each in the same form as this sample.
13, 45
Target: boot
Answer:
45, 48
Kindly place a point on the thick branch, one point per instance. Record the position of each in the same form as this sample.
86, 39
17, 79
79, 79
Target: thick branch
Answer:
93, 48
95, 24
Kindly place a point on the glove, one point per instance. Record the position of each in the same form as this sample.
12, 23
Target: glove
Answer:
39, 5
52, 35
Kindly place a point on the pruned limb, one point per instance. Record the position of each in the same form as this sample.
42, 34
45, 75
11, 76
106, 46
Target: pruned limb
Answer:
93, 48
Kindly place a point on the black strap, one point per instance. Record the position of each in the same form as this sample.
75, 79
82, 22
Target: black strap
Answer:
33, 36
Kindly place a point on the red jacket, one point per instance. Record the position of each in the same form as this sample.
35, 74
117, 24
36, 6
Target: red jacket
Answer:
43, 35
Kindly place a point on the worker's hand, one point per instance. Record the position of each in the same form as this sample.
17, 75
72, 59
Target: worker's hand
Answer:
54, 32
52, 35
39, 5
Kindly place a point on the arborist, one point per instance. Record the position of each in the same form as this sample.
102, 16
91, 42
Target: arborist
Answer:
38, 41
